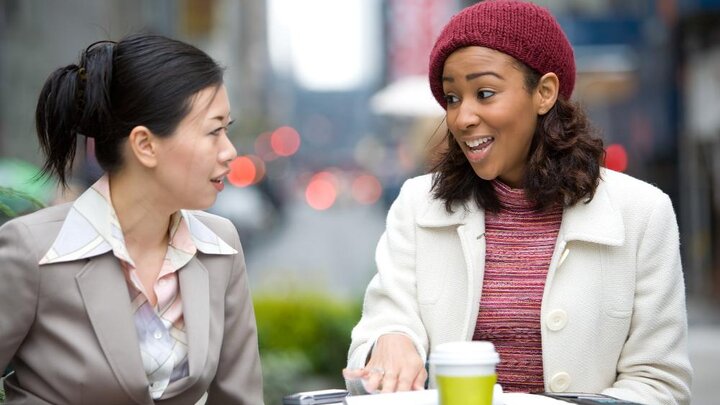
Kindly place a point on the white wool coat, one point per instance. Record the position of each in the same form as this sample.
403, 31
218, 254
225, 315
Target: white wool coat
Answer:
613, 316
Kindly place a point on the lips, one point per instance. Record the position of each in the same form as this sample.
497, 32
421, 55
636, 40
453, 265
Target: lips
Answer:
218, 184
218, 181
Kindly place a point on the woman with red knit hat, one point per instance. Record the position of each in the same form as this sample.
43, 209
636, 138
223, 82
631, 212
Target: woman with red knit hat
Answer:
521, 238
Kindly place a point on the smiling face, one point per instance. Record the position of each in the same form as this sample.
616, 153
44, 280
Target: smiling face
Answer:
490, 112
193, 161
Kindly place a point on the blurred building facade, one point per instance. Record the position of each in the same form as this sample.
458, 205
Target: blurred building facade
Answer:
38, 36
697, 47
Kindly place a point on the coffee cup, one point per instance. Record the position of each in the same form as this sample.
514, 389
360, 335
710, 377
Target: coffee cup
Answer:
465, 372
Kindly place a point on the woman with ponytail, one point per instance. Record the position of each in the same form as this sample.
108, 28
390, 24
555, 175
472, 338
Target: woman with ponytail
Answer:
519, 236
130, 294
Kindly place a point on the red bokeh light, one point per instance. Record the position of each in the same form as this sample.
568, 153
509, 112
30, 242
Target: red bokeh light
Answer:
616, 157
285, 141
366, 189
321, 191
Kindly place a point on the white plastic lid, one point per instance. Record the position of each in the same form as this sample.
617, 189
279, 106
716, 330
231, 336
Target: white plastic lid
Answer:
464, 353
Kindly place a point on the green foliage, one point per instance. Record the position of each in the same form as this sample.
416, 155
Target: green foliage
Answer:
303, 339
284, 372
10, 197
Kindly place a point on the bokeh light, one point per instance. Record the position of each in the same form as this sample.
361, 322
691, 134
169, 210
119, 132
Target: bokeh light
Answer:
263, 148
246, 170
285, 141
322, 191
616, 157
366, 189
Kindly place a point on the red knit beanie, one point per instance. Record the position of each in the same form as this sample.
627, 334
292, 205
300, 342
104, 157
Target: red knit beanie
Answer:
525, 31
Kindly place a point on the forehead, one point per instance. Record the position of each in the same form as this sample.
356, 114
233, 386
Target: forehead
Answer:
209, 103
478, 57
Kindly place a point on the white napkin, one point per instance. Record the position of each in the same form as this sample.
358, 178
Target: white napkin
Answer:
430, 397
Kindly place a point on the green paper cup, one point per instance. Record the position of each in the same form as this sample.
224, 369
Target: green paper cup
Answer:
465, 372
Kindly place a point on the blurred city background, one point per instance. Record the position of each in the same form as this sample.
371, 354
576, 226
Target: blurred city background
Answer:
333, 112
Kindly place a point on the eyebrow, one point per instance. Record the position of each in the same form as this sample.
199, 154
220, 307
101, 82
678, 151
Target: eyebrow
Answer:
222, 118
473, 76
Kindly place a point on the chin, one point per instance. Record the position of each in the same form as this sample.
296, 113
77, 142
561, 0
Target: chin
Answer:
200, 205
485, 175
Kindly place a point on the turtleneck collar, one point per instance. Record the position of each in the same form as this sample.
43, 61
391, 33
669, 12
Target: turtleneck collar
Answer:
512, 198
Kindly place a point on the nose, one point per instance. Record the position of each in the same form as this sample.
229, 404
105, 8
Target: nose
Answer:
227, 151
467, 115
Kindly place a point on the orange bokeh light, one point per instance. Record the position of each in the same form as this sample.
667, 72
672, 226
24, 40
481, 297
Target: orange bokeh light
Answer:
285, 141
246, 170
366, 189
321, 191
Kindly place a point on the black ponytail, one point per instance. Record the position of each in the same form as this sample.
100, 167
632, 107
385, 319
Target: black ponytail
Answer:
75, 100
56, 118
97, 65
144, 80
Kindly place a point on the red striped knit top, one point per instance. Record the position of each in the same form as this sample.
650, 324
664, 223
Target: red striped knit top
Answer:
520, 241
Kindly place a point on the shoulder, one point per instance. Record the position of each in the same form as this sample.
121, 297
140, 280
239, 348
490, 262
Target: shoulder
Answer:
36, 231
420, 185
44, 222
415, 194
637, 202
628, 191
219, 225
416, 190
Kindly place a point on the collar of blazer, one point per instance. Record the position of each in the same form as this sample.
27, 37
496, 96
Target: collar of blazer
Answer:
598, 221
91, 229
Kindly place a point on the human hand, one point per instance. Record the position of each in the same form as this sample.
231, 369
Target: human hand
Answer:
395, 365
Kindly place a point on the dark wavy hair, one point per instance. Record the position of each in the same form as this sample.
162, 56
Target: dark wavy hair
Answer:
563, 165
143, 79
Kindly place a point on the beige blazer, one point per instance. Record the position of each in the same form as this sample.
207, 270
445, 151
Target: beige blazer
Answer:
613, 314
67, 328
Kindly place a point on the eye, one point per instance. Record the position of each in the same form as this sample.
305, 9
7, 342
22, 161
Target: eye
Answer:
483, 94
219, 130
451, 99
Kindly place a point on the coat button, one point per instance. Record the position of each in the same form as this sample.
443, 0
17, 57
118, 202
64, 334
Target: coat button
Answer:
556, 320
560, 382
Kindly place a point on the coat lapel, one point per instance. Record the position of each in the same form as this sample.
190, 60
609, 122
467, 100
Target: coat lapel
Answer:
597, 221
107, 302
472, 238
470, 223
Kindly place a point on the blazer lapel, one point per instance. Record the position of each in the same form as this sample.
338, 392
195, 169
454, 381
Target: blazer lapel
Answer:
195, 292
107, 302
195, 295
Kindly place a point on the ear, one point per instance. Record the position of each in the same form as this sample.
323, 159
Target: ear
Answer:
547, 92
143, 144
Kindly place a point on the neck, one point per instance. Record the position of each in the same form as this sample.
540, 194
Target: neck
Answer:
143, 219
